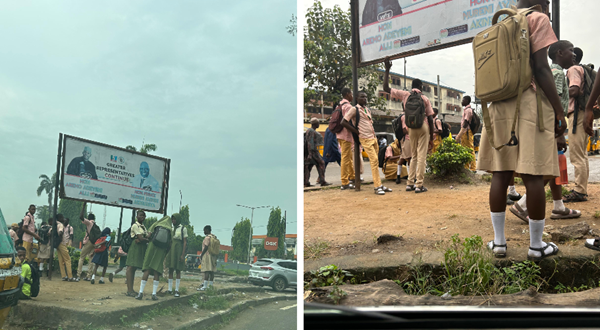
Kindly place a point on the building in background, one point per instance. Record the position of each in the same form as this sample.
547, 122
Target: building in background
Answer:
290, 243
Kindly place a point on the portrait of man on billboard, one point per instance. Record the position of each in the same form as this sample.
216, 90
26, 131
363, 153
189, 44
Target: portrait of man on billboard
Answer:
380, 10
81, 166
144, 180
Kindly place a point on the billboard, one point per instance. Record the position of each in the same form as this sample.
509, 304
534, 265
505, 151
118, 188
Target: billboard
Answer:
271, 243
400, 28
104, 174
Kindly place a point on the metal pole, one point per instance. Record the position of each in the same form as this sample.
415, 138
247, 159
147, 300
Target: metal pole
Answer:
284, 232
439, 94
167, 185
556, 18
405, 73
54, 211
355, 45
322, 115
250, 243
120, 224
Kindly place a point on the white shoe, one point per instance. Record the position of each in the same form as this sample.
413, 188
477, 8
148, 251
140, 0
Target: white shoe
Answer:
379, 191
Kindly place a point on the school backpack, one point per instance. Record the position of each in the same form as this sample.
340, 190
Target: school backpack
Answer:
381, 157
445, 129
35, 279
588, 83
335, 121
102, 247
214, 247
94, 233
475, 123
44, 234
397, 127
126, 240
161, 237
502, 65
56, 239
414, 110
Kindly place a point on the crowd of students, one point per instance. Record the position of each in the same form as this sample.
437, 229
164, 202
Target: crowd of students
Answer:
146, 252
534, 158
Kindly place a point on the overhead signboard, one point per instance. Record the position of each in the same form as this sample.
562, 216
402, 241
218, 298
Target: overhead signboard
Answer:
104, 174
271, 243
400, 28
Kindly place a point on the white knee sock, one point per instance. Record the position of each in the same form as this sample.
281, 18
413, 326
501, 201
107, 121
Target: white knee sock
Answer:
399, 169
41, 266
177, 284
210, 284
205, 284
536, 230
170, 284
155, 287
102, 278
93, 276
523, 202
559, 205
498, 219
512, 190
142, 286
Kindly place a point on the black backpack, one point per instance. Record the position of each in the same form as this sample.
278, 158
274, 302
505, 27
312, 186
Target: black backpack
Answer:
475, 123
44, 234
94, 233
35, 279
414, 110
445, 129
161, 237
397, 127
381, 157
126, 240
589, 76
57, 239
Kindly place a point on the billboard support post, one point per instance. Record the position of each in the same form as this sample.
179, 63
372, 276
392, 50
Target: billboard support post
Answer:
167, 185
55, 209
120, 224
556, 18
355, 61
439, 94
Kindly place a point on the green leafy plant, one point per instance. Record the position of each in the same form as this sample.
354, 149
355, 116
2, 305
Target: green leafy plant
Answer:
314, 250
597, 214
450, 158
549, 198
329, 275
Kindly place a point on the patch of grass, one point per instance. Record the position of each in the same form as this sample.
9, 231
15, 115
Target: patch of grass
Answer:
561, 288
469, 269
549, 198
183, 290
235, 272
486, 177
210, 300
314, 250
519, 181
597, 214
453, 216
157, 312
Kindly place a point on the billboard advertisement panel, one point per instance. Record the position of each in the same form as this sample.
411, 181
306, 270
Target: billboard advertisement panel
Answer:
104, 174
399, 28
271, 243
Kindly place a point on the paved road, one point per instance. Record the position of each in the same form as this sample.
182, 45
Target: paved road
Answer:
280, 315
332, 173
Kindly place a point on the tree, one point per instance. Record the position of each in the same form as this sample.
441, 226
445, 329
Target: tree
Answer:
328, 58
145, 149
275, 228
239, 242
293, 27
43, 213
71, 209
47, 185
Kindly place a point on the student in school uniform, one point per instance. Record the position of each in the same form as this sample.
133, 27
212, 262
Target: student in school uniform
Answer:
44, 245
122, 258
465, 136
209, 261
176, 256
437, 131
137, 250
87, 249
421, 139
561, 54
64, 259
393, 170
25, 293
578, 140
29, 232
366, 134
535, 156
101, 258
154, 259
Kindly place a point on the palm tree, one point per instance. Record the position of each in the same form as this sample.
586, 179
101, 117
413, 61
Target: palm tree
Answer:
47, 185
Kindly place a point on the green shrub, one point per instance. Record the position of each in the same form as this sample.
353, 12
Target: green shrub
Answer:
450, 158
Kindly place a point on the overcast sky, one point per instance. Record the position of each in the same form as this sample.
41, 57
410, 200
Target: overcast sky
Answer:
213, 86
455, 65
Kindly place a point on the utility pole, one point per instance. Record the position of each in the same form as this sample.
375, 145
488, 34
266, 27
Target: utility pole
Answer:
251, 221
322, 116
405, 73
439, 94
355, 45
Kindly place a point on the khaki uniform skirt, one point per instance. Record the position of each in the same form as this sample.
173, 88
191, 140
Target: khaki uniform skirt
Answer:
406, 151
44, 251
536, 153
209, 263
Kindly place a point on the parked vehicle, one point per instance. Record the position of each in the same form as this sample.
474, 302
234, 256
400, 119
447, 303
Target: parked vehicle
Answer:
11, 281
276, 273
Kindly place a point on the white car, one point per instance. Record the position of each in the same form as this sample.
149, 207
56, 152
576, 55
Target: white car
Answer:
276, 273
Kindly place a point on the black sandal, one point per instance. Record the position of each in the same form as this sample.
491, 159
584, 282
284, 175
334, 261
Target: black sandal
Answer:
499, 254
593, 246
575, 197
542, 251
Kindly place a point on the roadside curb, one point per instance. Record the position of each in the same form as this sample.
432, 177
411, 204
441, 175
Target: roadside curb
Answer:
31, 313
206, 322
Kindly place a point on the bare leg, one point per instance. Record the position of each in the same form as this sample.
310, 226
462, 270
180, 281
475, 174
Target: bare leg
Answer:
104, 271
130, 276
178, 274
146, 275
171, 273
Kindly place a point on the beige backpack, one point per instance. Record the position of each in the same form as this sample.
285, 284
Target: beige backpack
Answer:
502, 65
214, 248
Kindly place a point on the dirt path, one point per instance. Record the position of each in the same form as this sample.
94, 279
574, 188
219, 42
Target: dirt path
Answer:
339, 222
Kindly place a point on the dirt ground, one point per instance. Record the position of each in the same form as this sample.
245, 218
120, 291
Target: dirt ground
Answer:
85, 296
340, 222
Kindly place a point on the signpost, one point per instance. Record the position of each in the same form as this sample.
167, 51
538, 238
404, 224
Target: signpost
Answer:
271, 243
